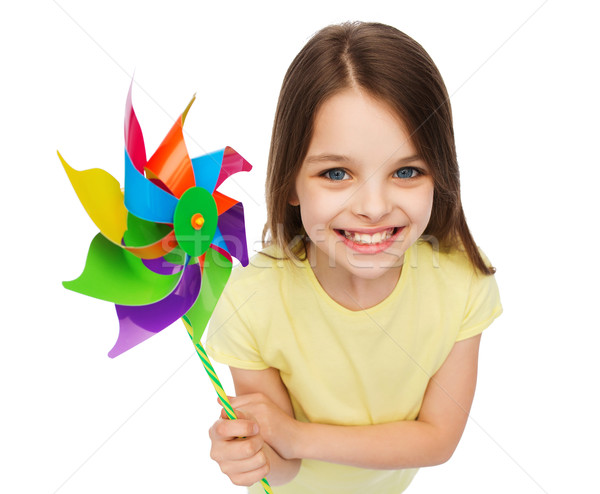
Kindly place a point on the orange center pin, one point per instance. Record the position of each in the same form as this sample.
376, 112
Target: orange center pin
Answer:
197, 221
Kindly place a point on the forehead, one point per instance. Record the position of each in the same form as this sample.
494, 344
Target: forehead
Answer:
352, 123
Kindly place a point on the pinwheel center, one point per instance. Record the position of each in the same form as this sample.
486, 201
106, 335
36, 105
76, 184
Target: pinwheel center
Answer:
197, 221
195, 230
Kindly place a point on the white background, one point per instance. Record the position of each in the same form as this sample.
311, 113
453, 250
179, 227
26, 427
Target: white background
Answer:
523, 78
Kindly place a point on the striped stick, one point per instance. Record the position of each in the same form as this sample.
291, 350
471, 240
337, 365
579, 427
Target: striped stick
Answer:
222, 395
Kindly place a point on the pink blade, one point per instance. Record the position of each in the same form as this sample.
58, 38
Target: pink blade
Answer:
134, 139
233, 162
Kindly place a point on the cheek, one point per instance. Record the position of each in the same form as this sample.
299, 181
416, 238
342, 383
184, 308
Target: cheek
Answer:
428, 205
419, 205
320, 205
317, 212
312, 218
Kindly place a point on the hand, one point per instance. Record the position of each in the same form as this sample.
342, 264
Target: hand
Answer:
239, 449
277, 428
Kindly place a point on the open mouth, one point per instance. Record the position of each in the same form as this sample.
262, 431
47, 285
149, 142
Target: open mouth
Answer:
376, 238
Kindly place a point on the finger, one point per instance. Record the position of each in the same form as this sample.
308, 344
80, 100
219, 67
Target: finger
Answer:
247, 465
247, 472
224, 429
238, 401
238, 415
229, 398
236, 450
243, 415
250, 478
243, 449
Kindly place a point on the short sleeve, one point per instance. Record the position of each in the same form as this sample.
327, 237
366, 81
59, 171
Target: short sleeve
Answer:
229, 338
482, 307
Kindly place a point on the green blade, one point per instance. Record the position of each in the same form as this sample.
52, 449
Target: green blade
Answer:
115, 275
141, 232
215, 274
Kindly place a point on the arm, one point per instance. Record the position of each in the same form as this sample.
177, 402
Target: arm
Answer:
238, 445
429, 440
269, 383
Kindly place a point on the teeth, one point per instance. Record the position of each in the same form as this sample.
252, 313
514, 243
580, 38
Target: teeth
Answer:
366, 239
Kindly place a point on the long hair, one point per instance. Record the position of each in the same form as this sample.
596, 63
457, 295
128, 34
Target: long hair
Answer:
394, 68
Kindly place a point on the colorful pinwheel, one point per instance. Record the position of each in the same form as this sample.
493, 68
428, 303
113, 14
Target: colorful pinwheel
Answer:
166, 243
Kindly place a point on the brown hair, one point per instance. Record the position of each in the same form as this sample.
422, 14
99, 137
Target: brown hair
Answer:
394, 68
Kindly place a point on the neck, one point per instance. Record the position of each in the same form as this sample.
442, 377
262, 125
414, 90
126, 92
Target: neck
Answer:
348, 290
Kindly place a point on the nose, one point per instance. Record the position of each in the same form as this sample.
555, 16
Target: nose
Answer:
371, 201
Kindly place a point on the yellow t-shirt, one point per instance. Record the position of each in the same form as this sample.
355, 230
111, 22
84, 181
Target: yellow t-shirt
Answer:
348, 367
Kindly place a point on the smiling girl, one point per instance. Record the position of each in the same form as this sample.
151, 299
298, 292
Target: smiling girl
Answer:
353, 338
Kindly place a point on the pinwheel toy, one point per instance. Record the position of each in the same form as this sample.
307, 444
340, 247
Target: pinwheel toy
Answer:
166, 241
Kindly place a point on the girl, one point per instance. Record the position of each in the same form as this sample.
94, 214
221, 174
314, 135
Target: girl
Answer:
353, 337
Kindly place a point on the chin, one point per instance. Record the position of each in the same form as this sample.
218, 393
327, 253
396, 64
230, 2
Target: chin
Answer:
367, 268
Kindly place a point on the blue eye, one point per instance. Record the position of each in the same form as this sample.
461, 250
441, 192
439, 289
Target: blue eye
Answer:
335, 174
407, 172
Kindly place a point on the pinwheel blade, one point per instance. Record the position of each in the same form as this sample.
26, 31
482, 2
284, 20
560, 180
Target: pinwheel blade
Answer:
171, 163
207, 169
138, 323
162, 266
148, 240
100, 195
219, 242
115, 275
134, 139
156, 250
223, 202
233, 162
145, 199
215, 273
141, 232
233, 233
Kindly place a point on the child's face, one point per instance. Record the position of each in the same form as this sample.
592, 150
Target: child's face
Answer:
364, 194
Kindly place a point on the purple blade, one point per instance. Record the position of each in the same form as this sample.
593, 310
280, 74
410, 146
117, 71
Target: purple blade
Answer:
161, 266
138, 323
231, 225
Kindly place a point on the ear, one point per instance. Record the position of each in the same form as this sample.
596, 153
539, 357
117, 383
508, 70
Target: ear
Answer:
293, 199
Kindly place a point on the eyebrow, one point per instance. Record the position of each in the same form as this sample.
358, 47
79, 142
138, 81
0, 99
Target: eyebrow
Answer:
340, 158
